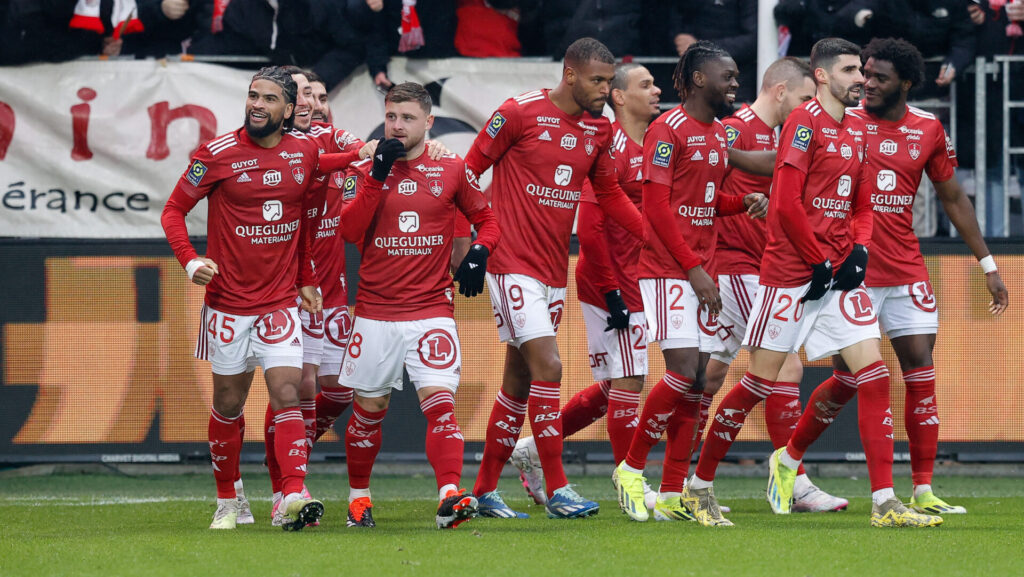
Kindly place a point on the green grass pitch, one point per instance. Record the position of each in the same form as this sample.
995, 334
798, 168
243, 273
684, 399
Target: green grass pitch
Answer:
111, 525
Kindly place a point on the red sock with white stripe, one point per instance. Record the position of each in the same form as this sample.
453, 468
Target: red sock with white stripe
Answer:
921, 415
546, 423
585, 407
331, 402
273, 469
241, 443
445, 444
308, 408
781, 413
874, 419
623, 411
682, 428
705, 412
291, 448
660, 405
729, 419
225, 450
825, 403
362, 443
503, 427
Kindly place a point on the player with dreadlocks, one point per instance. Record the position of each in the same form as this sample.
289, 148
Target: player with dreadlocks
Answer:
685, 159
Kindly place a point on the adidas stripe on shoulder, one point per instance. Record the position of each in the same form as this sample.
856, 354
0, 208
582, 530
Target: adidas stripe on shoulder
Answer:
222, 143
528, 97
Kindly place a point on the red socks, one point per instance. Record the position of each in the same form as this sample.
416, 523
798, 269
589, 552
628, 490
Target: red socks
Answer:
241, 442
729, 419
331, 402
585, 407
225, 449
503, 429
660, 405
623, 415
705, 412
682, 429
362, 443
822, 408
874, 418
291, 448
546, 423
445, 443
921, 415
781, 414
268, 447
308, 408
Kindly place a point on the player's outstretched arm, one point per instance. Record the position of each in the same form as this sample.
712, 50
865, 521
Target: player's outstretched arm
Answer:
332, 161
961, 214
759, 162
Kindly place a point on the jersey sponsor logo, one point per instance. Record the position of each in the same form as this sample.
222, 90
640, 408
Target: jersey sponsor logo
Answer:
588, 130
298, 174
915, 150
272, 210
912, 133
845, 186
588, 146
472, 179
272, 178
731, 134
343, 138
494, 126
713, 158
829, 132
695, 140
563, 175
409, 221
545, 136
886, 180
245, 164
548, 121
290, 155
195, 173
765, 139
243, 178
846, 151
888, 147
349, 190
802, 137
407, 187
872, 128
856, 307
568, 141
662, 154
709, 192
436, 188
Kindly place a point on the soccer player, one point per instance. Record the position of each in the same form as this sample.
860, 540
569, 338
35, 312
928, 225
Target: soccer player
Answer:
403, 216
787, 83
684, 162
821, 213
609, 291
542, 144
257, 253
903, 144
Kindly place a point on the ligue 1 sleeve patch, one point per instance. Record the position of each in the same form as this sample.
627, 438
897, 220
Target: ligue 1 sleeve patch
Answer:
662, 154
494, 126
348, 192
731, 134
195, 173
802, 137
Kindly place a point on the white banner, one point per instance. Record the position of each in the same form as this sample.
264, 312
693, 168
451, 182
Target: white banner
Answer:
93, 149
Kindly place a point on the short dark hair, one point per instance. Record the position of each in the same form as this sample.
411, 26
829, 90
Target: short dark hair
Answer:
826, 51
621, 79
788, 70
904, 57
698, 54
410, 92
314, 77
280, 77
586, 49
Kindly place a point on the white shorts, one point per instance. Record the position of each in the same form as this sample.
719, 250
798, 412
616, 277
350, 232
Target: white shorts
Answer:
780, 322
378, 351
674, 315
908, 309
737, 292
234, 344
312, 337
615, 354
524, 308
337, 327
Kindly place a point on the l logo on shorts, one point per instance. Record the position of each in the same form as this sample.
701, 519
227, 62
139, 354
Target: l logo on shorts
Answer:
276, 327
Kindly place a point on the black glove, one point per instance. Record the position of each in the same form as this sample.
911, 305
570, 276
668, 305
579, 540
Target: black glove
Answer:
618, 311
821, 281
851, 272
388, 151
470, 274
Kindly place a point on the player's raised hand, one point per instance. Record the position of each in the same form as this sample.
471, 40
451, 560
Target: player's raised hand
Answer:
821, 281
757, 205
388, 151
851, 272
201, 270
618, 312
470, 274
312, 302
368, 149
1000, 299
436, 150
705, 289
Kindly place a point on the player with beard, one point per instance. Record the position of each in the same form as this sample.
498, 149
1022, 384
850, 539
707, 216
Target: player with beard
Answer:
905, 143
258, 251
821, 213
684, 164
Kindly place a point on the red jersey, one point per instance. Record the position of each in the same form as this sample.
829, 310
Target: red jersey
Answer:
405, 227
257, 199
690, 158
830, 154
741, 239
541, 156
900, 153
623, 247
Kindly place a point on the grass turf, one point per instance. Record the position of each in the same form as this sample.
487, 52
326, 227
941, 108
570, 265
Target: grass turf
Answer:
116, 525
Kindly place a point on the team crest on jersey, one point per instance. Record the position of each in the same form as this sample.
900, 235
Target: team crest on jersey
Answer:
589, 146
802, 137
195, 173
731, 134
339, 179
272, 178
298, 174
436, 187
348, 191
662, 154
494, 126
915, 150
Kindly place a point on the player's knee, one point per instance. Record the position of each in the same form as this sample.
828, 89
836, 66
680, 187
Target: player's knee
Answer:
373, 404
